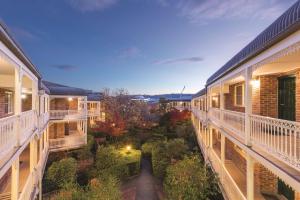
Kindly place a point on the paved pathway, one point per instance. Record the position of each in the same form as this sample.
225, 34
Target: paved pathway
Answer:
144, 184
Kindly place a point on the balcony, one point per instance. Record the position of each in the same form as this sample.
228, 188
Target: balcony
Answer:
75, 140
15, 130
67, 114
93, 112
199, 113
280, 138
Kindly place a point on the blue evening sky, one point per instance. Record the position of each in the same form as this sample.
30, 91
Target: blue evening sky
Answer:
145, 46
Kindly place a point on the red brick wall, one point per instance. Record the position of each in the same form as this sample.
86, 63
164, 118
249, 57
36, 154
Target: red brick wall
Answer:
2, 101
269, 96
268, 181
229, 100
27, 103
56, 130
256, 100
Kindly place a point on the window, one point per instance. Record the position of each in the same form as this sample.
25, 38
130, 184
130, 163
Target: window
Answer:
239, 95
8, 103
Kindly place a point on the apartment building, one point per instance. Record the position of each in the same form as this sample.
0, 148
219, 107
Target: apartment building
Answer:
95, 109
179, 104
36, 117
247, 118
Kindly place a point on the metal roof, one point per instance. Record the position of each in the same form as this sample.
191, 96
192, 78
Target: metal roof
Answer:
94, 96
13, 46
200, 93
58, 89
286, 24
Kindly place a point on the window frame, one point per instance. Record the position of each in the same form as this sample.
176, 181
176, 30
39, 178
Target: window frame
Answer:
8, 102
243, 95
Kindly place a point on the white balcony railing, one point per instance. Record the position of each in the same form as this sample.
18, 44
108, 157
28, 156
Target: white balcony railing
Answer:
28, 123
94, 112
199, 113
232, 190
214, 114
8, 133
68, 114
43, 120
68, 142
234, 122
30, 186
281, 138
16, 130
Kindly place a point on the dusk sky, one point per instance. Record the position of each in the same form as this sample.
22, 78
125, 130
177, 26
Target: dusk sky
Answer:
145, 46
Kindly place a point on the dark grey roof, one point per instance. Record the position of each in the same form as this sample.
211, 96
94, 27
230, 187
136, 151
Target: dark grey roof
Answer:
58, 89
188, 98
13, 46
200, 93
95, 96
42, 86
285, 25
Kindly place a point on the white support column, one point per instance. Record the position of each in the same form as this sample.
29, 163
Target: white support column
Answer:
221, 101
15, 179
250, 177
210, 137
33, 154
248, 105
34, 94
223, 149
18, 102
199, 127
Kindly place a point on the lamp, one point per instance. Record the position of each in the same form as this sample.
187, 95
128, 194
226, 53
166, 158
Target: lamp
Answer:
23, 96
70, 99
255, 83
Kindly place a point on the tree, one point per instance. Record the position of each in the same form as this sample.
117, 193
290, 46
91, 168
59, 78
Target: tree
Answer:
188, 179
104, 189
123, 113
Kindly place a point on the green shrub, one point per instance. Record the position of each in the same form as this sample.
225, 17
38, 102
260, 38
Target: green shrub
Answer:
188, 179
148, 147
164, 153
104, 189
160, 160
132, 159
119, 163
60, 173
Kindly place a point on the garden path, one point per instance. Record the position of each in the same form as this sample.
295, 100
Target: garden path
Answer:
144, 185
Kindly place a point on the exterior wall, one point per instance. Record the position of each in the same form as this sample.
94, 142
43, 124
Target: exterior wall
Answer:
229, 100
27, 103
2, 101
63, 104
57, 130
268, 96
268, 181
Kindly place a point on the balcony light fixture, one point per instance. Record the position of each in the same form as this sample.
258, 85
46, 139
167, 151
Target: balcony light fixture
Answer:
23, 96
255, 83
70, 99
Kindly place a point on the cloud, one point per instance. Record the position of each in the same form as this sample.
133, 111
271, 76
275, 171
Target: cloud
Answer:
65, 67
202, 11
179, 60
91, 5
21, 34
130, 52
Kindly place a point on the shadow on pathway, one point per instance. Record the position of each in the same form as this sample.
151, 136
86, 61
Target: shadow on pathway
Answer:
145, 184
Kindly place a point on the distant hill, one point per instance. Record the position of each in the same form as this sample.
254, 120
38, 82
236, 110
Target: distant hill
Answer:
155, 98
